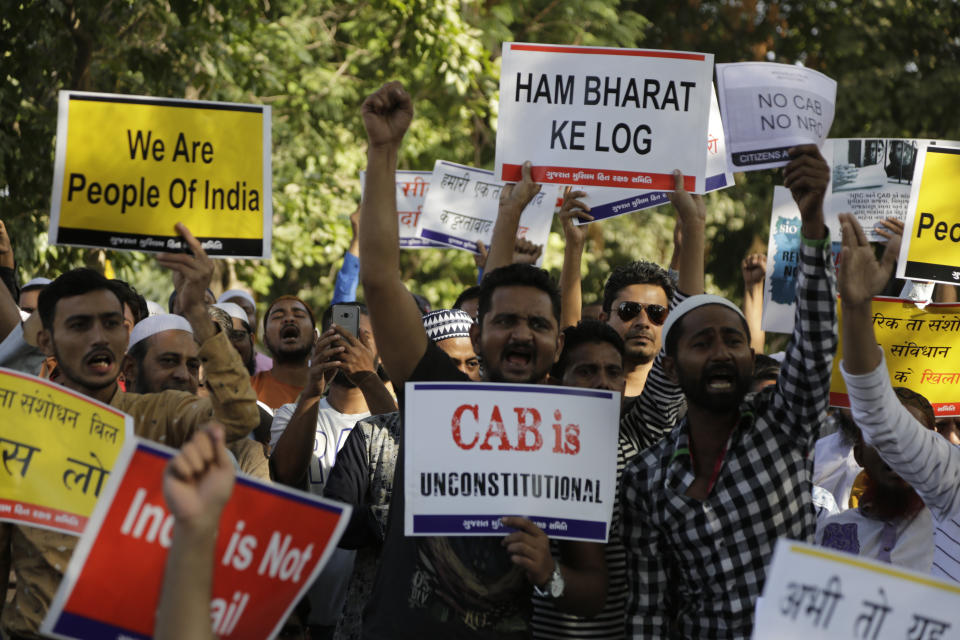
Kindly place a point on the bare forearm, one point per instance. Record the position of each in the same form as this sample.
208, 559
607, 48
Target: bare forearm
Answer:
291, 457
504, 237
376, 394
753, 311
571, 295
860, 352
584, 570
379, 240
184, 611
690, 264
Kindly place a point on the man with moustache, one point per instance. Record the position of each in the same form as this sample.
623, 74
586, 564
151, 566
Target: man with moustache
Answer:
288, 331
457, 587
162, 354
704, 507
83, 327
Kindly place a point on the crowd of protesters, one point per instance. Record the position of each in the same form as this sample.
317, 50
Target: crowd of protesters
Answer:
722, 449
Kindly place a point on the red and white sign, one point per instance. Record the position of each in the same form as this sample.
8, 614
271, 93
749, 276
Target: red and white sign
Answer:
476, 452
603, 117
272, 544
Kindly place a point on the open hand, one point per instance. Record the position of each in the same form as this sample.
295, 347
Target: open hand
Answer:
861, 275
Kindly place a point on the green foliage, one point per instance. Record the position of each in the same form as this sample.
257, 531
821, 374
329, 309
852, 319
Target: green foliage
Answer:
314, 61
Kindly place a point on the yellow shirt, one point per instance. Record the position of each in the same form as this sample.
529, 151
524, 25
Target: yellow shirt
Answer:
39, 557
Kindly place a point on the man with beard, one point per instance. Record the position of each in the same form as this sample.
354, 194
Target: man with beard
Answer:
83, 327
305, 438
460, 587
704, 508
288, 331
241, 334
162, 354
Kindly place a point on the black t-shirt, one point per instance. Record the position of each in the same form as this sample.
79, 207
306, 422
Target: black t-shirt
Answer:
443, 587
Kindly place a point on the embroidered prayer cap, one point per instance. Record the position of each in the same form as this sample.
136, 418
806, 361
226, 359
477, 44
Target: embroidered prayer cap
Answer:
695, 302
230, 294
233, 310
153, 325
447, 323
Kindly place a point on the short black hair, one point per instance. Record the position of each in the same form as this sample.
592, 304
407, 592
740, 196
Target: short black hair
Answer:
765, 368
639, 272
517, 275
670, 340
470, 293
585, 332
72, 283
129, 296
910, 398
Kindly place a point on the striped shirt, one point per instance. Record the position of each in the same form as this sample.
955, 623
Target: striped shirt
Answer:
649, 417
922, 457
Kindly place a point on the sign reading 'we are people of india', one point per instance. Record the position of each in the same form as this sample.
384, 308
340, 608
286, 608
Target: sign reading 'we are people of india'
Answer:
128, 168
812, 592
57, 449
603, 117
607, 202
271, 545
768, 108
921, 348
477, 452
931, 244
462, 204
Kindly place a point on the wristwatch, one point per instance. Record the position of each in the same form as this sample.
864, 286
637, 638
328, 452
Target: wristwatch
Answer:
554, 586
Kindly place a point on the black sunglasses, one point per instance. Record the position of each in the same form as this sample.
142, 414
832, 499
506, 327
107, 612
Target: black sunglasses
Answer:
627, 311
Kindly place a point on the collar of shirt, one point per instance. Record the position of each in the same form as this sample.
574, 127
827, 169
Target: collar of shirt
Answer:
680, 474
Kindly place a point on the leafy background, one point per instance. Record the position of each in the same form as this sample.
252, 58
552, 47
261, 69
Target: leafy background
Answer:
314, 61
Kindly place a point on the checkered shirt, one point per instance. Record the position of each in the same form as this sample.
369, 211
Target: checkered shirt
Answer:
696, 568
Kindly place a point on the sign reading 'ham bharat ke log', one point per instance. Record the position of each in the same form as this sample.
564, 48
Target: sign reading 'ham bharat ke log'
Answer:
129, 167
475, 452
272, 544
603, 117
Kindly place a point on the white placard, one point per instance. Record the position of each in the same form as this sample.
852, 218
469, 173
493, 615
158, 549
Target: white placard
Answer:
603, 117
768, 108
475, 452
811, 592
412, 189
783, 262
607, 203
462, 203
871, 178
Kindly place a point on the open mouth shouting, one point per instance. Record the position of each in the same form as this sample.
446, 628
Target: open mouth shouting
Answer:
518, 359
720, 380
99, 362
289, 334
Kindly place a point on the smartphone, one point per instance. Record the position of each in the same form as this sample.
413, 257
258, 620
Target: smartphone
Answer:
348, 317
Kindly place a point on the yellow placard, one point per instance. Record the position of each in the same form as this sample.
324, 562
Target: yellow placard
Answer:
921, 348
57, 449
931, 250
129, 167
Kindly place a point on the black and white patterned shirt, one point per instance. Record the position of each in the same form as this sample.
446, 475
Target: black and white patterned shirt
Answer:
696, 568
649, 417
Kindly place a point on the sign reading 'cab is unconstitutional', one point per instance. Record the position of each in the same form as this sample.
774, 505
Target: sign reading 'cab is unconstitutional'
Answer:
477, 452
603, 117
129, 167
